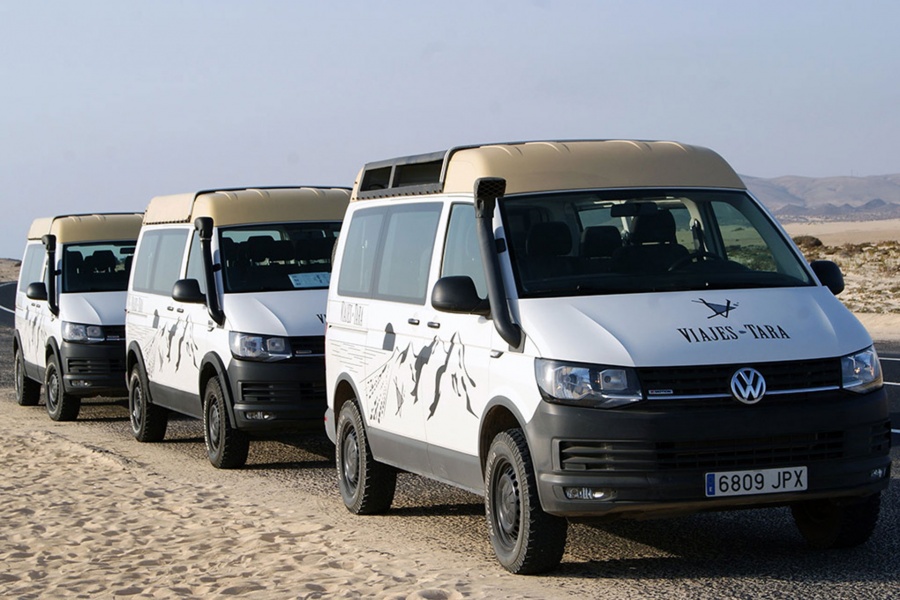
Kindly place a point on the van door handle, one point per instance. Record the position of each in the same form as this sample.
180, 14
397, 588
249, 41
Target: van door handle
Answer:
170, 308
181, 310
412, 321
434, 324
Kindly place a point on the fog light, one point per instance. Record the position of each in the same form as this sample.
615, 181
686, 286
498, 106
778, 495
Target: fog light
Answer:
80, 383
585, 493
259, 415
877, 474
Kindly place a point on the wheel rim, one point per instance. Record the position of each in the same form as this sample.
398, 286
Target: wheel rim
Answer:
350, 459
505, 499
52, 389
137, 407
213, 424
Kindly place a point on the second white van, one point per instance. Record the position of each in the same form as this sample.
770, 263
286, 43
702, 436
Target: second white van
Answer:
226, 312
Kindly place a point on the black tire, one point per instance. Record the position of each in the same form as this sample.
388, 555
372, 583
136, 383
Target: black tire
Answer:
226, 447
367, 486
826, 524
148, 421
526, 540
60, 405
28, 391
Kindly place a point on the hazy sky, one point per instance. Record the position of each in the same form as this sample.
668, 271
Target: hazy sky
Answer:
104, 104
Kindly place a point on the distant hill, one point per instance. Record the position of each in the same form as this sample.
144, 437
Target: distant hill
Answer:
793, 198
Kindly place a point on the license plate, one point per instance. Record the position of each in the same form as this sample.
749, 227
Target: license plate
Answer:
763, 481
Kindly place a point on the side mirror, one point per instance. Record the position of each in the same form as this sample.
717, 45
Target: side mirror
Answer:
188, 291
829, 274
37, 291
457, 294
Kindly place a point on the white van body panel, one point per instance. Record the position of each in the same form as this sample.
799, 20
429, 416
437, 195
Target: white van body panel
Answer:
289, 313
693, 328
99, 308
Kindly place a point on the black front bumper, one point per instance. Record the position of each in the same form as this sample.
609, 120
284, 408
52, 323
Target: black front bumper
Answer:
94, 369
653, 459
281, 395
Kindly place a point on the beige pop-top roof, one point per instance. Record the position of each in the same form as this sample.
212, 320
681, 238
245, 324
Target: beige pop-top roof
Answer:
548, 165
252, 205
99, 227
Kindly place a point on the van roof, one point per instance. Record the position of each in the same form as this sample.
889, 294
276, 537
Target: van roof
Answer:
250, 205
540, 166
99, 227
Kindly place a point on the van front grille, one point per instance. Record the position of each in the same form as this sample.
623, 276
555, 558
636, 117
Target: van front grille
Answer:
94, 366
282, 392
739, 454
715, 380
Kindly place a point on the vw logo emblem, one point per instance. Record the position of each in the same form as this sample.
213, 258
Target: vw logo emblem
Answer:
748, 385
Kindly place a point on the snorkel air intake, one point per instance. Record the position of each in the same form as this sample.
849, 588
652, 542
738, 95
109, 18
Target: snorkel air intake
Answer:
487, 191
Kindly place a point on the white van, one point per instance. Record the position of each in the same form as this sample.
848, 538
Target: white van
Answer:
70, 318
595, 329
226, 313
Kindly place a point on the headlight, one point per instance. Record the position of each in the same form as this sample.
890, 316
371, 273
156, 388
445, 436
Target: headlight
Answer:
259, 347
82, 334
861, 372
593, 386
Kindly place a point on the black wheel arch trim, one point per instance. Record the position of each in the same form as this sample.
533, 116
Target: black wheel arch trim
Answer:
211, 359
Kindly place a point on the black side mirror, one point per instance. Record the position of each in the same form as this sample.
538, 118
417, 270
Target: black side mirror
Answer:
829, 274
457, 294
188, 291
36, 291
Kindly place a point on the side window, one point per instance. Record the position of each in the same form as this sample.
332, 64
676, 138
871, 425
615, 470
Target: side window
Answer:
32, 266
461, 253
195, 262
388, 251
358, 261
408, 247
158, 262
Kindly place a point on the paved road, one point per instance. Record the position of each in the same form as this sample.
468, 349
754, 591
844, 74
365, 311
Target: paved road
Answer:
7, 304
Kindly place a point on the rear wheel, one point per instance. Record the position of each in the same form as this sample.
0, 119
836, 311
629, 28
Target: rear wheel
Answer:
60, 405
28, 391
526, 540
148, 421
837, 523
226, 447
367, 486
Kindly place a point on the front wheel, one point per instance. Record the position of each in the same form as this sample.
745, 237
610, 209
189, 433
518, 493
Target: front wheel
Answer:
28, 391
226, 447
60, 405
148, 421
526, 540
367, 486
829, 523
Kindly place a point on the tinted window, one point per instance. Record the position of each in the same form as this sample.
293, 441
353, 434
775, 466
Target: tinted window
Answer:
195, 262
408, 245
101, 267
636, 241
32, 269
461, 253
274, 257
158, 263
360, 247
388, 252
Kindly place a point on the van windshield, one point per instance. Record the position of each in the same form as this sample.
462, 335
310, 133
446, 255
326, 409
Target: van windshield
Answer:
96, 266
273, 257
632, 241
